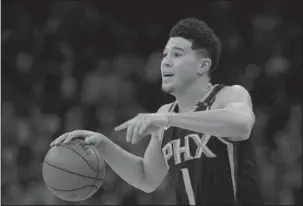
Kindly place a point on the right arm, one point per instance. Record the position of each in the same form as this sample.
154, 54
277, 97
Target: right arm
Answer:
145, 173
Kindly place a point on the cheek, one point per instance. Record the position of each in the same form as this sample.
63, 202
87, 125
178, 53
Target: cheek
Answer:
187, 70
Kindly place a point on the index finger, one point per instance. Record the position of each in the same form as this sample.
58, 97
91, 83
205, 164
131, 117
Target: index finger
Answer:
122, 126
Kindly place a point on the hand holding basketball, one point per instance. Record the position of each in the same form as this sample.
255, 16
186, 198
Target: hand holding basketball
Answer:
92, 138
74, 171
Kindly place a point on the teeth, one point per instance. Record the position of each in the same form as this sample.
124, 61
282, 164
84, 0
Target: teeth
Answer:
168, 74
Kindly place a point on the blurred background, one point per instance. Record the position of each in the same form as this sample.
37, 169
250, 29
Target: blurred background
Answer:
69, 65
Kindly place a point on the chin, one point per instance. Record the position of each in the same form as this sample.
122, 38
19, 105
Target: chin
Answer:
167, 88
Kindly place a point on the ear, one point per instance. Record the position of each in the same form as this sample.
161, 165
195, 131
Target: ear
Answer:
204, 66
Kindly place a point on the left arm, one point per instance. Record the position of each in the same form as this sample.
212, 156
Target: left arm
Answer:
233, 116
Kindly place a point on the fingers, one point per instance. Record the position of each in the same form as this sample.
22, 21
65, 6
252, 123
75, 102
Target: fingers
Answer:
59, 140
92, 140
129, 133
134, 137
143, 128
134, 128
77, 134
67, 137
123, 126
70, 137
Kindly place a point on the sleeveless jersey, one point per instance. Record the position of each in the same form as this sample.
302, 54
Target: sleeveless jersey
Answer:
207, 169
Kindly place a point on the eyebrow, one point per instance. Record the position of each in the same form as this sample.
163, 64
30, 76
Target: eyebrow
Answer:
177, 48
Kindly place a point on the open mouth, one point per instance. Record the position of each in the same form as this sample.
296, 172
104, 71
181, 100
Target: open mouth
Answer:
168, 74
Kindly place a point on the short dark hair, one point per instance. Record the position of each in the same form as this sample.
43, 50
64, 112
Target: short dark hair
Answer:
202, 38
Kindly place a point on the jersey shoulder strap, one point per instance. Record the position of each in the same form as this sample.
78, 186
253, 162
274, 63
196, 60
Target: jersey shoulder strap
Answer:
211, 97
172, 106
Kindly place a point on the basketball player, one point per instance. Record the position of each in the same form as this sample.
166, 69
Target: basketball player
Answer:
202, 139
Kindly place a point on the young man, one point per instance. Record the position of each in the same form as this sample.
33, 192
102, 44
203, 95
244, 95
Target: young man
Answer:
201, 139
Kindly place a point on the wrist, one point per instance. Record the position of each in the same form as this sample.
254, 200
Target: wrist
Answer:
168, 120
103, 146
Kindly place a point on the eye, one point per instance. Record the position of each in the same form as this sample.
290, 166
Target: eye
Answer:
164, 55
177, 54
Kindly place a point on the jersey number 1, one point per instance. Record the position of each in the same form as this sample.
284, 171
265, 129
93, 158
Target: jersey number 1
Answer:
188, 186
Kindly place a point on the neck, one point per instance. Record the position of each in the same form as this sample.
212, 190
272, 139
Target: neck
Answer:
188, 99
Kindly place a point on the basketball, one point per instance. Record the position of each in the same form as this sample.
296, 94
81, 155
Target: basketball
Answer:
73, 171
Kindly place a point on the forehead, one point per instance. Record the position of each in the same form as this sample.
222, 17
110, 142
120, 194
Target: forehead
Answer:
178, 42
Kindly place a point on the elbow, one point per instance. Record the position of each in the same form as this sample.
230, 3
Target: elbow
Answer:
149, 185
246, 128
148, 188
144, 186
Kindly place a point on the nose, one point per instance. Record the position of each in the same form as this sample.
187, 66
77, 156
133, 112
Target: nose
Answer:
166, 62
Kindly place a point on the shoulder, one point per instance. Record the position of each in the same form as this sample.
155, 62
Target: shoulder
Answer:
233, 93
165, 107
